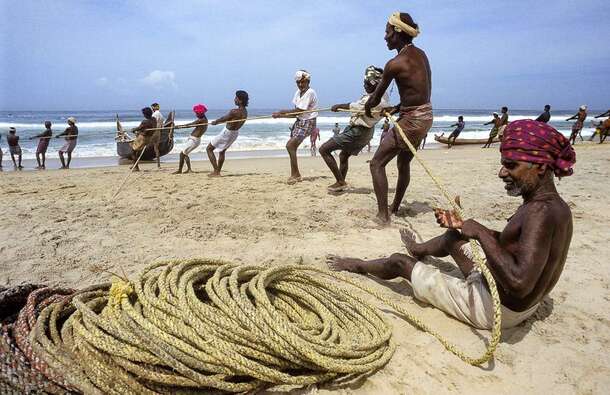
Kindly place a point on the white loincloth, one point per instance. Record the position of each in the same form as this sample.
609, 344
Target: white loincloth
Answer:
224, 140
468, 299
191, 144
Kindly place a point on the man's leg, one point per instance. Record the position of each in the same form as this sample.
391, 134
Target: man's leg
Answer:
326, 151
343, 164
61, 159
19, 166
386, 151
44, 159
449, 243
221, 160
396, 265
38, 160
403, 162
212, 158
158, 155
134, 163
14, 161
187, 160
180, 164
291, 146
69, 159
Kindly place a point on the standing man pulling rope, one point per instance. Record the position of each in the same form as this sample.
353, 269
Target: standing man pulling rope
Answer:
411, 71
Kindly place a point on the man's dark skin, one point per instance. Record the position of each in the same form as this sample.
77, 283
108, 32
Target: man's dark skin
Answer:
496, 122
411, 71
71, 133
148, 123
546, 115
526, 258
604, 130
237, 113
581, 115
326, 149
13, 140
41, 158
201, 126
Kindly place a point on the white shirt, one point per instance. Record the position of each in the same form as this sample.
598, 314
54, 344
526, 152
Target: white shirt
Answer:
360, 119
308, 101
159, 118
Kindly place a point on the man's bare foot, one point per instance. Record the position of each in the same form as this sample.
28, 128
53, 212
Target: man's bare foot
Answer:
187, 171
394, 208
408, 239
339, 264
177, 172
382, 219
338, 186
214, 174
293, 180
136, 169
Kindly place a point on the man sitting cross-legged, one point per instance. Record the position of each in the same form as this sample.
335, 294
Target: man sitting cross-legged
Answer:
525, 259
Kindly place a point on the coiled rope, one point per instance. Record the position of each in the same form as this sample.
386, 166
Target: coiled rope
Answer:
479, 261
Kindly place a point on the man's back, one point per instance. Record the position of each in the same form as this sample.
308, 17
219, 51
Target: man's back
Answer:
411, 70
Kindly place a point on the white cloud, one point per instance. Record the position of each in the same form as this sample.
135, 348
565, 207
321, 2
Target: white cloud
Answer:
160, 79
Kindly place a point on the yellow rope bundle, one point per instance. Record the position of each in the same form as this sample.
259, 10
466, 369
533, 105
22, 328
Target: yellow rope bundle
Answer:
201, 325
477, 258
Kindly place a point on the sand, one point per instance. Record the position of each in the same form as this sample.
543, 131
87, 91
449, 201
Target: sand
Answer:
61, 227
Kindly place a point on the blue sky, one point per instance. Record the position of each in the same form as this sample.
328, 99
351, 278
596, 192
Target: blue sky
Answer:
77, 55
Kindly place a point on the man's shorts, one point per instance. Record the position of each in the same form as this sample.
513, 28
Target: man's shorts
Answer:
354, 138
14, 149
302, 128
69, 146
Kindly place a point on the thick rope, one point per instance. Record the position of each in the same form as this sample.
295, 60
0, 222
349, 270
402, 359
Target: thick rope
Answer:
200, 325
477, 258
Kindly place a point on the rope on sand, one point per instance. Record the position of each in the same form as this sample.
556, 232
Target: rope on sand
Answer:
477, 258
200, 325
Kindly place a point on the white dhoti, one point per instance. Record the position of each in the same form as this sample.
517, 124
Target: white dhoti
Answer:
224, 140
191, 144
468, 299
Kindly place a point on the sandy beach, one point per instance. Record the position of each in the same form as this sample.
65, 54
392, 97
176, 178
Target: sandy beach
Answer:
63, 227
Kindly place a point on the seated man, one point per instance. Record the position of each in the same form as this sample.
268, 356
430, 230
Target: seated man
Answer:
358, 133
144, 135
525, 259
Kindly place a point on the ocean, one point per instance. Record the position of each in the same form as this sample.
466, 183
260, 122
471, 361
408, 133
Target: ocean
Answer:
265, 137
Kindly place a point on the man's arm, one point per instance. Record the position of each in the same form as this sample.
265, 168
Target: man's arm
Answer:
572, 117
490, 122
64, 133
337, 107
607, 113
386, 80
517, 274
230, 116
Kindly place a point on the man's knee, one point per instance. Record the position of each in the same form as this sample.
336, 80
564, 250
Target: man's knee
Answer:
324, 149
344, 156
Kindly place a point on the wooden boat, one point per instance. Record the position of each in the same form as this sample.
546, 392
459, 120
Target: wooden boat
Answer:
123, 140
459, 141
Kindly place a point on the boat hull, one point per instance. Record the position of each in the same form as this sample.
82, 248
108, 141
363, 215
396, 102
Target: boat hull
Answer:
459, 141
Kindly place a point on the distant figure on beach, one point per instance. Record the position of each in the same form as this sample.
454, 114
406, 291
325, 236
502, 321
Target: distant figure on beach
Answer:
411, 71
545, 117
305, 99
503, 122
580, 117
201, 125
494, 130
526, 259
14, 148
143, 136
1, 154
603, 128
358, 133
71, 136
43, 144
234, 120
155, 139
313, 138
456, 132
336, 129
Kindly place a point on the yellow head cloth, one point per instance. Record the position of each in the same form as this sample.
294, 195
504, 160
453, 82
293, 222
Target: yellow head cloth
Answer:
400, 26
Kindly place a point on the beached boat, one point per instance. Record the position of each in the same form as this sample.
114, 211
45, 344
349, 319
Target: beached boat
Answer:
123, 147
445, 140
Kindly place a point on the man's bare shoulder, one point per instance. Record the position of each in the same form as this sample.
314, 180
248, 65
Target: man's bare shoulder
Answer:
551, 210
